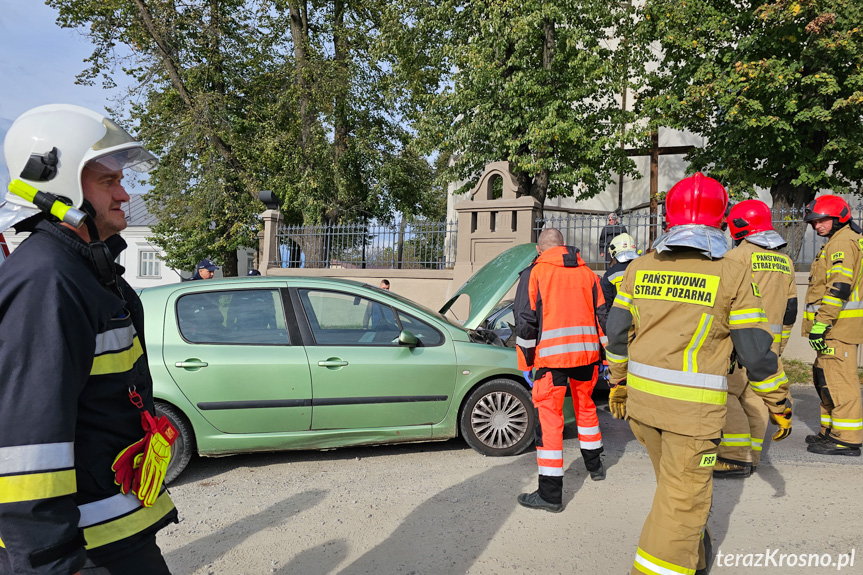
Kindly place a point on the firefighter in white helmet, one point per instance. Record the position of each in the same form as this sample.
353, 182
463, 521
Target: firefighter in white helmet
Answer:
623, 250
82, 456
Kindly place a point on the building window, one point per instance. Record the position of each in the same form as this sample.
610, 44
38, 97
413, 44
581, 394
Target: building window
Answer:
149, 265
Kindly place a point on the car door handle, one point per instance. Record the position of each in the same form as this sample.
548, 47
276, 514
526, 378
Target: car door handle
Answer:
333, 363
191, 364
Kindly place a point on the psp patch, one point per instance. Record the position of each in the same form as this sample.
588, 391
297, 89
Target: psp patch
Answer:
837, 256
708, 460
698, 289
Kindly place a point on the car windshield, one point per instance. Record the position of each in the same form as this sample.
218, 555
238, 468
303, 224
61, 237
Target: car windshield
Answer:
428, 310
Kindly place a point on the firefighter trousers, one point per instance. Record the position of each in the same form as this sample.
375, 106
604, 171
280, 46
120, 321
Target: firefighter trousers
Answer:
835, 377
745, 422
549, 391
672, 537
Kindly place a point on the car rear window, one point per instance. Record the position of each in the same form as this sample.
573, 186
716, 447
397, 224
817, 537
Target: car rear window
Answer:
240, 317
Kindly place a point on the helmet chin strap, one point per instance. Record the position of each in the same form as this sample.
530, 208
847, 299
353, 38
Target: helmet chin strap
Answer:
100, 255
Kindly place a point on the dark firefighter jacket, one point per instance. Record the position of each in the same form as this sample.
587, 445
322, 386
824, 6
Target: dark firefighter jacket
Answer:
609, 283
70, 349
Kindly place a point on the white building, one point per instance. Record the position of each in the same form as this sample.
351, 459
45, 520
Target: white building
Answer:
142, 259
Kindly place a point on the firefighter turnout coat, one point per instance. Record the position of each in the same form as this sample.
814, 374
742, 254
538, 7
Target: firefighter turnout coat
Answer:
834, 298
685, 310
70, 350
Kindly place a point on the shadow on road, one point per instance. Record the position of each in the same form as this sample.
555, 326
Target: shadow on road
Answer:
208, 549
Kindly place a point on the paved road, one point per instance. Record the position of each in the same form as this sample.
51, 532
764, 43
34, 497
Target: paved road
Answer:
443, 509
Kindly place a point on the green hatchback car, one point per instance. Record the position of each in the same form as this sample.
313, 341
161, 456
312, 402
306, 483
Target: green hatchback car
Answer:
281, 363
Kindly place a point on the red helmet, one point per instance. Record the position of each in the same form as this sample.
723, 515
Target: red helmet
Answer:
749, 217
828, 206
697, 199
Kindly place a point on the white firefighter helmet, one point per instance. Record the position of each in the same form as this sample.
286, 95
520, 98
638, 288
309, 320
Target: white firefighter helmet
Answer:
47, 148
623, 248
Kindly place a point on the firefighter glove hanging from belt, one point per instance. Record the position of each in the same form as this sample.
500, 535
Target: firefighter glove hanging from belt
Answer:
816, 336
617, 400
141, 467
783, 420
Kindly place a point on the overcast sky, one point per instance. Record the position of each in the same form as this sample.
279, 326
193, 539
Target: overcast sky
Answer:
38, 64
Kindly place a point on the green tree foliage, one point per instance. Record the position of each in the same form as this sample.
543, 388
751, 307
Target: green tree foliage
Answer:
236, 96
536, 83
776, 87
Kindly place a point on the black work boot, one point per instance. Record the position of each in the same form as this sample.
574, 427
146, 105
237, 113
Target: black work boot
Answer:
708, 553
598, 474
816, 438
830, 447
535, 501
727, 469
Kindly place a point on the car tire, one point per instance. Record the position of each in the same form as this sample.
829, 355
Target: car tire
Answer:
498, 418
181, 450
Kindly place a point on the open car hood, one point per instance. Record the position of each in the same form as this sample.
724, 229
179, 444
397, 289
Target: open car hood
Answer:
487, 286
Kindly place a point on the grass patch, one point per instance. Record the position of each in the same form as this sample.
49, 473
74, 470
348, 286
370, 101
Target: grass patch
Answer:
801, 372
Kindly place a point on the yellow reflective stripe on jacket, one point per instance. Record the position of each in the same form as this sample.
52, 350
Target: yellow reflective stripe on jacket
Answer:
770, 384
613, 357
623, 299
849, 309
741, 316
128, 525
19, 459
757, 444
14, 488
842, 270
117, 362
690, 354
848, 424
826, 420
830, 300
647, 563
681, 385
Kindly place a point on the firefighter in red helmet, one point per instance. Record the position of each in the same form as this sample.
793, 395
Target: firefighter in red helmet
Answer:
758, 246
833, 321
678, 313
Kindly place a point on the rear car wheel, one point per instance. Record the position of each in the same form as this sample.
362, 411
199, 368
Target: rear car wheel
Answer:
181, 450
498, 418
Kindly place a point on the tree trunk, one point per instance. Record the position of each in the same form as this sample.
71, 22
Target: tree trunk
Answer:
788, 203
340, 105
231, 267
300, 36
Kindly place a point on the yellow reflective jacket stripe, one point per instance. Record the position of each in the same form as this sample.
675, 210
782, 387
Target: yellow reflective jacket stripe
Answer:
680, 385
15, 488
128, 525
770, 384
117, 362
690, 354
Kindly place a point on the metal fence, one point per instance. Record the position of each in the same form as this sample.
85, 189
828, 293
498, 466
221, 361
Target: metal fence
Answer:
404, 245
586, 233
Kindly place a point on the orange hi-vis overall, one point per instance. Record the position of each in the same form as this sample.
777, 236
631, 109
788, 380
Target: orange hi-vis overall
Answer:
557, 333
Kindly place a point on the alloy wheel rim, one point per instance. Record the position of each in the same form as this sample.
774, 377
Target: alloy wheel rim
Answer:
499, 420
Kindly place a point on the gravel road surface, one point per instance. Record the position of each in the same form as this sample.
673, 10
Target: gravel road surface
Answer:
441, 508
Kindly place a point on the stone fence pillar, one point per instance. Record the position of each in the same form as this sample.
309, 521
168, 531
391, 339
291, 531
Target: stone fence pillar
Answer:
488, 226
269, 246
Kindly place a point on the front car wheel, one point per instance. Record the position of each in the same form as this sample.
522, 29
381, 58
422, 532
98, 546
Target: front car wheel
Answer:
498, 418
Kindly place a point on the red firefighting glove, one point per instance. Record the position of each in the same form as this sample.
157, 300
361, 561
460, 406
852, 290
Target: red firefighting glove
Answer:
125, 473
783, 420
617, 400
153, 462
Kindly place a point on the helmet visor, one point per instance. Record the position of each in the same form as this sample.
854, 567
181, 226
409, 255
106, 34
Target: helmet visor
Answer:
136, 158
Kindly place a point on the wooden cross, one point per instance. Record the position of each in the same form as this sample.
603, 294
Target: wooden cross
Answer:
654, 152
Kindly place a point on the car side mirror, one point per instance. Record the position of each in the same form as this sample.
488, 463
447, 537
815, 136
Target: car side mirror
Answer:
408, 339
